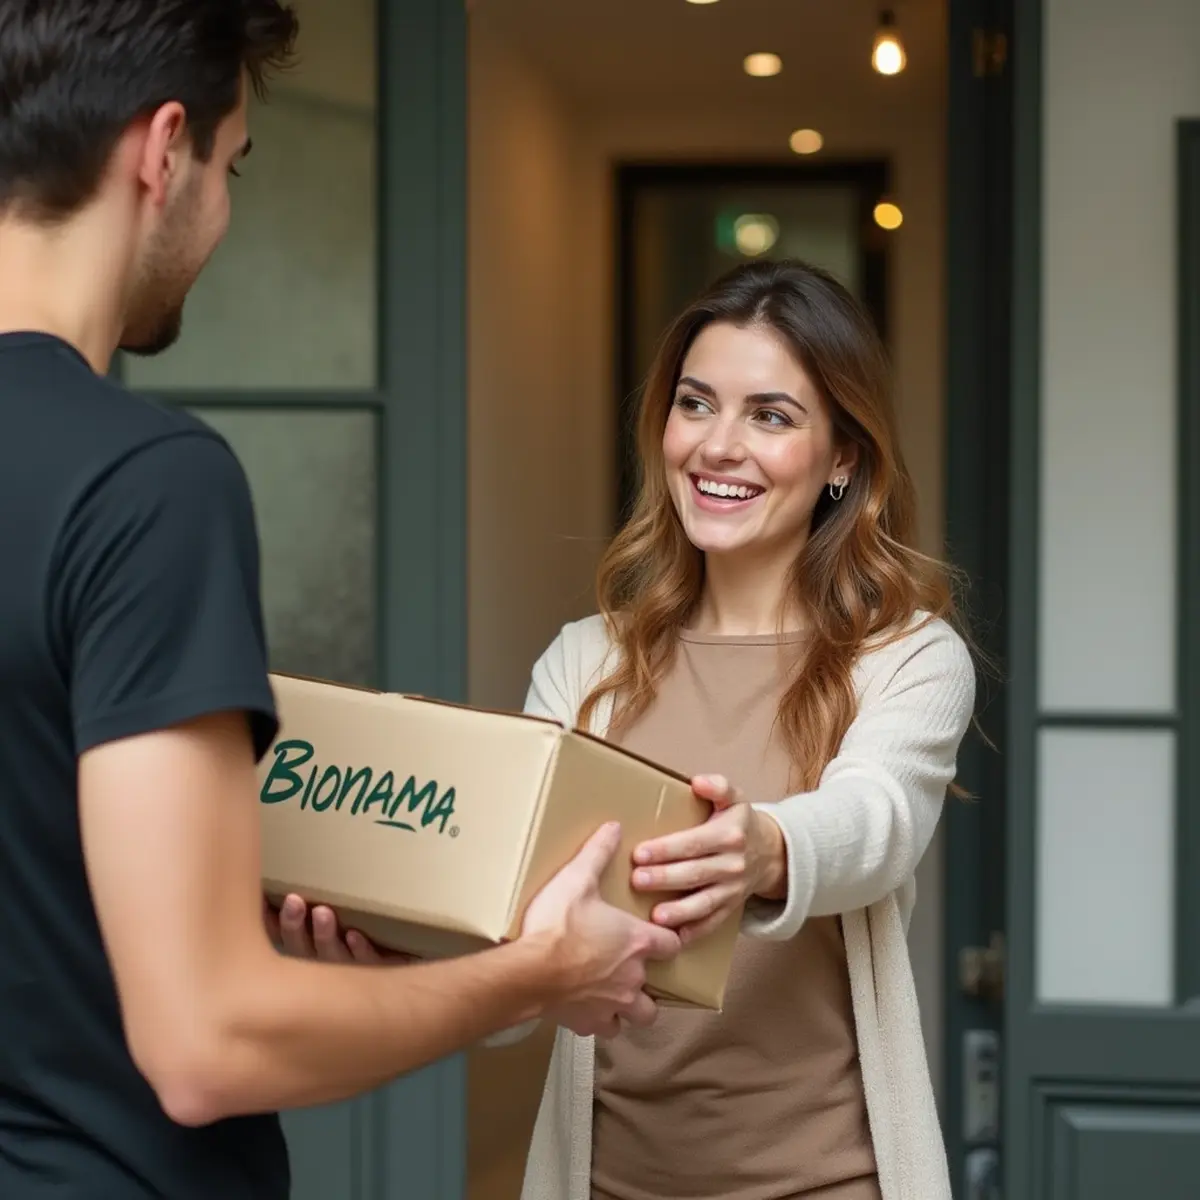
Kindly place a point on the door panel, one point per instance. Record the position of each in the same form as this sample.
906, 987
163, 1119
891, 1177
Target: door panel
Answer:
1103, 1035
326, 342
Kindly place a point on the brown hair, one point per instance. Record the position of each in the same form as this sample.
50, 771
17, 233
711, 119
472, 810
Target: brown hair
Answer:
858, 582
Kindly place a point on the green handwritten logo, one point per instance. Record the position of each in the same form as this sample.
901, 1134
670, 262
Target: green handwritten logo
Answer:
330, 788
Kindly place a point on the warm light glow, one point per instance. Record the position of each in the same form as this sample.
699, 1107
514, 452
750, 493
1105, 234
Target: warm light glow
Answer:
887, 55
762, 65
806, 141
888, 215
702, 1
755, 233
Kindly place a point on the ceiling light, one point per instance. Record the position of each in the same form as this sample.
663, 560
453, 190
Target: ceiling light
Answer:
755, 233
887, 55
762, 65
888, 215
702, 1
806, 141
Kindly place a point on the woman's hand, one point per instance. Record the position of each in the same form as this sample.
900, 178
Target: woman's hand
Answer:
737, 853
303, 935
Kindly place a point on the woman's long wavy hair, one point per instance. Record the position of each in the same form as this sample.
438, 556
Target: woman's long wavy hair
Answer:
858, 582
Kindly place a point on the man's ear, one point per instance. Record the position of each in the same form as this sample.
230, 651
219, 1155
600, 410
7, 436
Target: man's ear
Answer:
161, 151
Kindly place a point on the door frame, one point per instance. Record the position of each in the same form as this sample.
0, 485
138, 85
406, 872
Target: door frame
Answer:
980, 158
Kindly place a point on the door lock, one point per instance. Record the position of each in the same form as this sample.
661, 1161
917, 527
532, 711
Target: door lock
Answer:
981, 969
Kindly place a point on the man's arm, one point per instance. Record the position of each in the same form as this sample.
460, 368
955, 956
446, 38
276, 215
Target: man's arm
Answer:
155, 608
218, 1022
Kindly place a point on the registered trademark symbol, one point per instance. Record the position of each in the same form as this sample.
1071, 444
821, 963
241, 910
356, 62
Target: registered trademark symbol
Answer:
454, 831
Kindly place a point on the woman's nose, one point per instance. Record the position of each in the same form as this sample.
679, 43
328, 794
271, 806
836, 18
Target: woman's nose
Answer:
724, 443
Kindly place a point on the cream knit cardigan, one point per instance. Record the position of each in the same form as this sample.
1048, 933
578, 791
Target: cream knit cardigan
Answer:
853, 846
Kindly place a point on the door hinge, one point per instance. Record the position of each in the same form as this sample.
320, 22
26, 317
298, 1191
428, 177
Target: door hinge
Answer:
981, 969
989, 52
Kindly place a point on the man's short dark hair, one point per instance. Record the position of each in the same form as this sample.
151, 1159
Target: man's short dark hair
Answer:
74, 74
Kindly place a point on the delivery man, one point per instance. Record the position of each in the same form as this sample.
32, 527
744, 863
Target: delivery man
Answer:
148, 1028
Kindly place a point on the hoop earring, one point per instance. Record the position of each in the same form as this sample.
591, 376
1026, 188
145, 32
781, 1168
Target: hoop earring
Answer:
837, 489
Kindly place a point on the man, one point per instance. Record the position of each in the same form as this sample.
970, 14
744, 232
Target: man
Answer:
148, 1029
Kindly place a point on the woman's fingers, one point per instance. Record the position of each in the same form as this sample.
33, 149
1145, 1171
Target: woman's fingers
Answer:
722, 832
721, 899
710, 924
692, 874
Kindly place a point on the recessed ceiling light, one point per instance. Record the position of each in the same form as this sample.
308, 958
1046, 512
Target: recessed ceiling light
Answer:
806, 141
755, 233
702, 1
888, 215
762, 65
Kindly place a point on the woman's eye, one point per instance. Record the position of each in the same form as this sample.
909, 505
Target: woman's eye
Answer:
691, 403
770, 416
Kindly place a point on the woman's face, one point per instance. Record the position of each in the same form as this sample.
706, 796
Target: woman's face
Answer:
749, 444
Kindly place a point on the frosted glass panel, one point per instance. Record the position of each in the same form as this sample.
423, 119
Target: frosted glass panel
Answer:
289, 298
1108, 386
313, 476
1105, 867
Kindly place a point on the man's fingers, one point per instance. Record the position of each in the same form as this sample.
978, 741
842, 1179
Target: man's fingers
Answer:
664, 944
598, 851
293, 928
643, 1012
327, 936
361, 950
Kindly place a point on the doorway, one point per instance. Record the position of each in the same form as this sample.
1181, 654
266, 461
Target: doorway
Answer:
570, 116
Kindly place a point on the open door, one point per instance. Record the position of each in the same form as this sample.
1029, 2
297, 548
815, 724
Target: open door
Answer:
978, 398
1102, 1024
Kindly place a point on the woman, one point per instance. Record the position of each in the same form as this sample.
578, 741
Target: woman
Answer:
765, 616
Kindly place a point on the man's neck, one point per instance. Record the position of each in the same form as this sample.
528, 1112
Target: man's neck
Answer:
66, 280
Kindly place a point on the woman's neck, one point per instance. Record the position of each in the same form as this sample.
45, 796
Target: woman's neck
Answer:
744, 598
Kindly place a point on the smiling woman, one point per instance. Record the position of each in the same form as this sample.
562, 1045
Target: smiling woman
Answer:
764, 616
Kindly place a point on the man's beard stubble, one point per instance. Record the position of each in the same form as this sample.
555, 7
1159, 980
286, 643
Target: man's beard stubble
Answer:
155, 317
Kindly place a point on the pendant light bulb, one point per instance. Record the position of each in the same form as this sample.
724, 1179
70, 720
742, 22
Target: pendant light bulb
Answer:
887, 54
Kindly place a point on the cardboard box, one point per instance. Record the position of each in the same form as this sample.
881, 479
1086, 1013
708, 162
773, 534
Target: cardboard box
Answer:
430, 826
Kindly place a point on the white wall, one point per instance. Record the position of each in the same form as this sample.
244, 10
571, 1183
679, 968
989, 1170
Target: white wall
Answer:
541, 479
539, 438
541, 395
1116, 78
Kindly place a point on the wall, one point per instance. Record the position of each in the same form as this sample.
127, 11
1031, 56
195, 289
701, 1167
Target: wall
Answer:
539, 438
1116, 80
541, 398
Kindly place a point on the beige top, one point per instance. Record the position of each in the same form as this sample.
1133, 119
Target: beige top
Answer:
763, 1101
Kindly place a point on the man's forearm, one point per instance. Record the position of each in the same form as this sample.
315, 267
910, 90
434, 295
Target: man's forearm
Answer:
290, 1034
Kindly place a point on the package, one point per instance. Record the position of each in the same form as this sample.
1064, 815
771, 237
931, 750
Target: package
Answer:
430, 826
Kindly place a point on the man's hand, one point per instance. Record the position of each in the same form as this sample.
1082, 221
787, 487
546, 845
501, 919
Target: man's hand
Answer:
316, 935
604, 950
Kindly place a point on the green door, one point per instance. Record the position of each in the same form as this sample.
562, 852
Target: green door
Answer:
1102, 1061
325, 340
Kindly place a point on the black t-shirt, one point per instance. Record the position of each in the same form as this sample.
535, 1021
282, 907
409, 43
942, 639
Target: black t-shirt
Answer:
129, 601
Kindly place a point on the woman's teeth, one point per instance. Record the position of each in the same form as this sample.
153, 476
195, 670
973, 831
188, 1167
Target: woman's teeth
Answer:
729, 491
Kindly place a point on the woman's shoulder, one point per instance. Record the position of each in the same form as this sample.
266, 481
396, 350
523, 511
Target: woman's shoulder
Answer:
927, 648
578, 652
